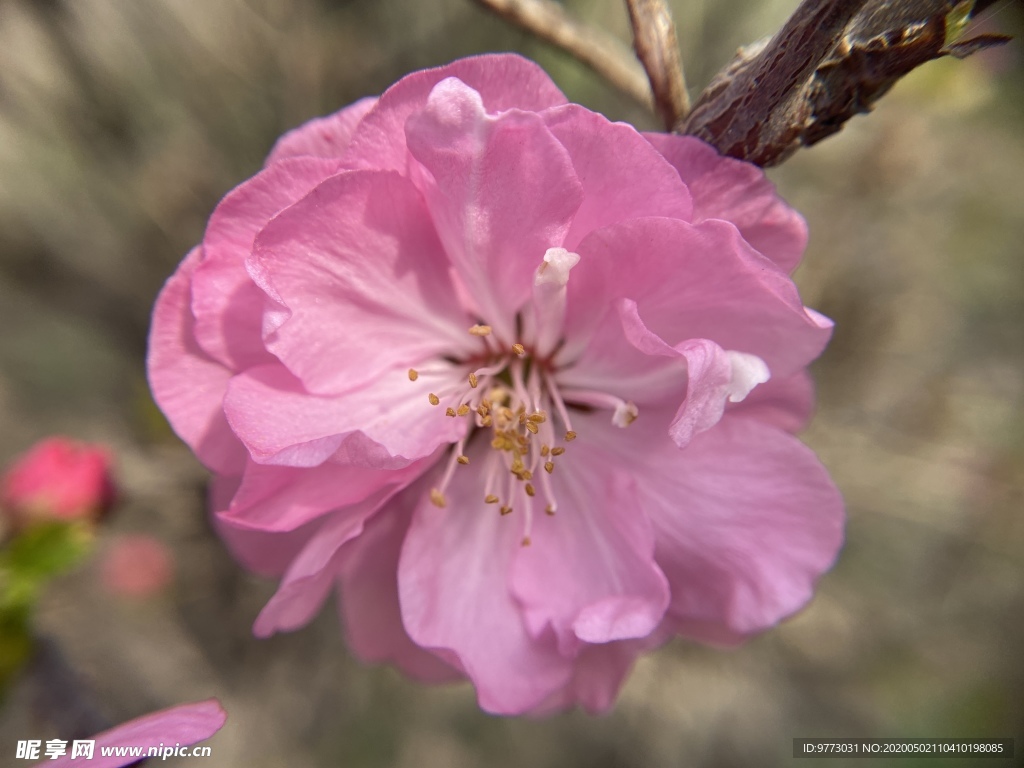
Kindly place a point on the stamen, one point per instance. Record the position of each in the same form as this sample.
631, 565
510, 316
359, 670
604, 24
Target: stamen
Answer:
463, 460
437, 498
558, 451
449, 412
556, 396
473, 380
530, 490
505, 510
413, 374
526, 541
462, 409
480, 330
490, 498
549, 467
570, 436
434, 399
518, 349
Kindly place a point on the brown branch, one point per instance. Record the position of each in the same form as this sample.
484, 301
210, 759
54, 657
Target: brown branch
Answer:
654, 38
595, 48
832, 59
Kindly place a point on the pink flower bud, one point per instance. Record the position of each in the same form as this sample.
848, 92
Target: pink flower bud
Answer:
58, 479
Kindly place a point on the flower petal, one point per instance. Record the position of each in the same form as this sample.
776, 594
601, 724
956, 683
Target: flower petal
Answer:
504, 81
746, 520
589, 571
497, 207
632, 181
186, 383
227, 306
384, 425
365, 282
185, 724
453, 587
368, 597
739, 192
324, 136
693, 282
784, 403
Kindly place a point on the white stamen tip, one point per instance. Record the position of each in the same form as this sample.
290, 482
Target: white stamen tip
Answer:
625, 414
747, 372
555, 267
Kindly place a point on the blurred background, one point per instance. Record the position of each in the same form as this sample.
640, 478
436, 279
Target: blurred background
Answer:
123, 122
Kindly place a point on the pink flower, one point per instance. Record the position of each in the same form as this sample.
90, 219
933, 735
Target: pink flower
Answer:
58, 479
498, 370
179, 726
137, 565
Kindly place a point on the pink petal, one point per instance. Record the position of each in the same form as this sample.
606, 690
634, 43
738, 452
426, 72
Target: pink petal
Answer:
365, 281
784, 403
323, 136
185, 724
186, 383
729, 189
227, 306
693, 282
385, 424
746, 521
453, 586
623, 176
504, 81
267, 553
501, 191
589, 572
368, 597
311, 575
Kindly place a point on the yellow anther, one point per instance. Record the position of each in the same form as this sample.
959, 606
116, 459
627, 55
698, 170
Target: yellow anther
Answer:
413, 374
437, 498
530, 490
519, 349
481, 411
532, 428
434, 399
538, 417
549, 467
490, 498
449, 412
463, 460
473, 380
570, 436
505, 510
498, 443
526, 541
557, 451
526, 475
486, 421
549, 509
463, 409
517, 466
545, 450
480, 330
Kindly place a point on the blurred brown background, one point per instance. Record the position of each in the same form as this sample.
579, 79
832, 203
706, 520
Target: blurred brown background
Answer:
122, 122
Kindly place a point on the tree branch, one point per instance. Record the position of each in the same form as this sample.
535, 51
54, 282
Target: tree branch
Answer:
654, 38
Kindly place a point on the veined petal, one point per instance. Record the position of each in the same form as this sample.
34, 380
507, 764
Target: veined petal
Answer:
497, 208
739, 192
746, 521
365, 282
386, 424
784, 403
503, 80
693, 282
454, 590
186, 383
326, 136
589, 571
227, 305
368, 596
629, 182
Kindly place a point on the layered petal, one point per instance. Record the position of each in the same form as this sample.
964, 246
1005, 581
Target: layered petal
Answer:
504, 81
497, 209
227, 306
188, 384
693, 282
738, 192
323, 136
453, 584
359, 256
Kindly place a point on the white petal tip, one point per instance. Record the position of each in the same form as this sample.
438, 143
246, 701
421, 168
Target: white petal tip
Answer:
747, 372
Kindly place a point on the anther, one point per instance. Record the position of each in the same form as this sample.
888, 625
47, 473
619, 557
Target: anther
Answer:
505, 510
545, 450
570, 436
449, 412
480, 330
519, 349
413, 374
526, 541
473, 380
538, 417
526, 475
437, 498
550, 510
532, 427
463, 409
463, 460
530, 490
490, 498
434, 399
549, 467
557, 451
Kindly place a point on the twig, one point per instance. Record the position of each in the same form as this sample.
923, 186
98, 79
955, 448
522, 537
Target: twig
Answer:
654, 37
598, 50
